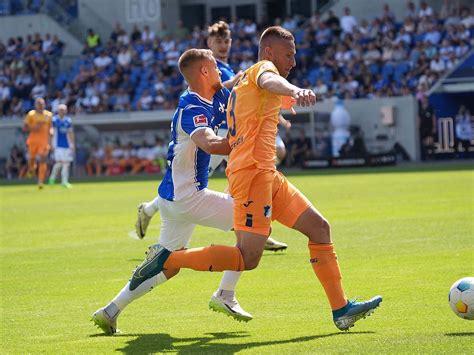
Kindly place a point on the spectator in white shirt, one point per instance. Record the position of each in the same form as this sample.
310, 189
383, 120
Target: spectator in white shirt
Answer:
425, 10
47, 42
250, 28
102, 61
124, 57
145, 101
437, 64
320, 89
39, 90
348, 22
147, 34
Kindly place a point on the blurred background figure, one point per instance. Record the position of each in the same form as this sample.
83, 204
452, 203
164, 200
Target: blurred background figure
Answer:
340, 122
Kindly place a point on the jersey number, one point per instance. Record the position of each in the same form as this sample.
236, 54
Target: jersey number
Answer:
232, 128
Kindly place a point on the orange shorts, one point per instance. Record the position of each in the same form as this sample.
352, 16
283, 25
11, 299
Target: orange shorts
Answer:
261, 196
37, 148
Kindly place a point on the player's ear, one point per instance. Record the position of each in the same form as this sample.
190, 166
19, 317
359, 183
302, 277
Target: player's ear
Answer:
209, 42
204, 70
268, 53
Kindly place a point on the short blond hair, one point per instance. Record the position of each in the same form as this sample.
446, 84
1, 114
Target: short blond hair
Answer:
190, 58
273, 33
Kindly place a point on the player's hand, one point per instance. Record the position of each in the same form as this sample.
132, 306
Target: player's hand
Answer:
305, 97
237, 77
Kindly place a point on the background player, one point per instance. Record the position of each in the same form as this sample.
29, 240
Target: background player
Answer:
63, 146
261, 193
38, 123
184, 200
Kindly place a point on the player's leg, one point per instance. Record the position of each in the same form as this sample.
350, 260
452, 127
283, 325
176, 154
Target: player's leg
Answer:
65, 167
145, 212
65, 174
32, 155
54, 171
299, 214
42, 166
175, 234
215, 209
56, 167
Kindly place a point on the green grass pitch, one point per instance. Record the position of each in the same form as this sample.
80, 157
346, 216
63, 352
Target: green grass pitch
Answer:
407, 235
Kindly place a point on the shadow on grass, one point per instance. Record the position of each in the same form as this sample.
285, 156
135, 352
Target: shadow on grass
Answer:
208, 343
463, 334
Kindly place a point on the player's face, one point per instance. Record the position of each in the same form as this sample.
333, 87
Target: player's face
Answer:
220, 46
214, 75
62, 111
282, 54
39, 105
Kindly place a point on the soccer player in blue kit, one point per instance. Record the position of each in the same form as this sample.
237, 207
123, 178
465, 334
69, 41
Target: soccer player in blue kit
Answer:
184, 200
63, 146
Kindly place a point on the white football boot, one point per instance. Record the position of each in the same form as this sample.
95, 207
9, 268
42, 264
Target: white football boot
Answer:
143, 220
274, 245
104, 322
229, 306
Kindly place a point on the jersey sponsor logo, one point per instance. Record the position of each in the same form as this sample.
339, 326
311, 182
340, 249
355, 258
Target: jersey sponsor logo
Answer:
267, 211
221, 107
200, 120
246, 204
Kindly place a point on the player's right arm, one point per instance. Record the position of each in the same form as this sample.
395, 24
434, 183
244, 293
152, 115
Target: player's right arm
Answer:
27, 123
207, 140
196, 121
229, 84
278, 85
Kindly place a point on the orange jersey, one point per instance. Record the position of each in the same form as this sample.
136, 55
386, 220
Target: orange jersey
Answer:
39, 125
252, 116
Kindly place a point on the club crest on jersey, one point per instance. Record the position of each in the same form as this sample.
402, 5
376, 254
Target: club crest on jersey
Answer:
200, 120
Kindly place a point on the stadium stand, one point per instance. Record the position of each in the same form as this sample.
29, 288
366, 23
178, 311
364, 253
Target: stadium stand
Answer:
343, 57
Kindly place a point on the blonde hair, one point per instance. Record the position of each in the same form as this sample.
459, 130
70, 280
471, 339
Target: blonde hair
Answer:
190, 58
271, 34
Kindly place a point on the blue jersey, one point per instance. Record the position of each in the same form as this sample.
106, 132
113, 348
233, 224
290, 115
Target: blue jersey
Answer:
227, 73
60, 129
187, 164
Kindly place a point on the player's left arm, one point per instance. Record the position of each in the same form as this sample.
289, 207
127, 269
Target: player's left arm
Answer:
207, 140
284, 122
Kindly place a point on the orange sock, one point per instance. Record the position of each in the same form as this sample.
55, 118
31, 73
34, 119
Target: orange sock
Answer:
211, 258
42, 172
325, 266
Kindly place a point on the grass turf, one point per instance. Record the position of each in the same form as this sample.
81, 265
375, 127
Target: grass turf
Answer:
405, 235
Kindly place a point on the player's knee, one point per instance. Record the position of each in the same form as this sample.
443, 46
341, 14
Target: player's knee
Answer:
251, 262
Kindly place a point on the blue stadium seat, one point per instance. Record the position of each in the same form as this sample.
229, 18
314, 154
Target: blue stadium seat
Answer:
387, 71
27, 105
374, 69
400, 70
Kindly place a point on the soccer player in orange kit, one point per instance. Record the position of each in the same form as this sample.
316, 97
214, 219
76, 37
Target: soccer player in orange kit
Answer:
38, 123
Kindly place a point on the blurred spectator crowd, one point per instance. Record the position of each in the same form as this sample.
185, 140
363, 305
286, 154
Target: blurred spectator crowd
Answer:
342, 57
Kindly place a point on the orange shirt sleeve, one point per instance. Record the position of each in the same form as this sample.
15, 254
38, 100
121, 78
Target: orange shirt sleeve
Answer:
260, 68
28, 120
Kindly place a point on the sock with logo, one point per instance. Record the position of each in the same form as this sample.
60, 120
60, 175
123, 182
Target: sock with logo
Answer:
326, 267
